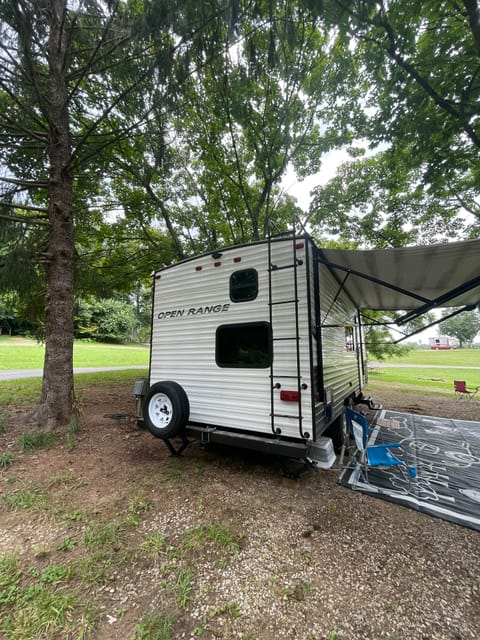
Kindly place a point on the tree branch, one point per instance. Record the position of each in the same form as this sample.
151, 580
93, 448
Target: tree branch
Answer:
23, 219
473, 12
38, 184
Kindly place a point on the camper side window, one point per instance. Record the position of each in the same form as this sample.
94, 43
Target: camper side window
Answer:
247, 345
349, 338
243, 285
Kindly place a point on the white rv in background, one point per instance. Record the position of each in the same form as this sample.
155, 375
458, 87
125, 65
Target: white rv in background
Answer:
444, 342
256, 346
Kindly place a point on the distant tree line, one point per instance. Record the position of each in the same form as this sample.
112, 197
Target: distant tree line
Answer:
116, 320
464, 327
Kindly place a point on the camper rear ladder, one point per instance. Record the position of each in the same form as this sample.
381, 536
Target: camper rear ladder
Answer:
272, 269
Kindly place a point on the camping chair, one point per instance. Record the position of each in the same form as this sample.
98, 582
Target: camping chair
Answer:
378, 455
359, 417
461, 390
348, 436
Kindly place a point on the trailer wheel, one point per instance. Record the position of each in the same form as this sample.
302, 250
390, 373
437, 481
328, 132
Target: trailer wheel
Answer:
166, 409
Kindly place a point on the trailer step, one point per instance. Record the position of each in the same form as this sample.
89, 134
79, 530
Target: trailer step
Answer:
368, 400
295, 300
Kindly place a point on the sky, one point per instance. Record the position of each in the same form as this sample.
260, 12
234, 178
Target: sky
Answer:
301, 189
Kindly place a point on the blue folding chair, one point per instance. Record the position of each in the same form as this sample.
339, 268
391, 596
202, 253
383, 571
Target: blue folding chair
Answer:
352, 415
348, 437
378, 455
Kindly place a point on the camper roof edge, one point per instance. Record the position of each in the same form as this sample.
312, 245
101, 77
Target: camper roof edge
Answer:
235, 247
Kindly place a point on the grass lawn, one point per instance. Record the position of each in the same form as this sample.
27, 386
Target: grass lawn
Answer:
25, 392
425, 379
431, 371
452, 357
27, 354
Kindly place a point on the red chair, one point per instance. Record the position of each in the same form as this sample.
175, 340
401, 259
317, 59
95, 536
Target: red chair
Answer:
461, 390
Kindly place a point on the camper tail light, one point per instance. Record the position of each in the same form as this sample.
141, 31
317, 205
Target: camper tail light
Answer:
289, 396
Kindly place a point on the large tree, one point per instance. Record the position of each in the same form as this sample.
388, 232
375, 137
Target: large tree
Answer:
74, 83
66, 70
420, 66
208, 169
463, 326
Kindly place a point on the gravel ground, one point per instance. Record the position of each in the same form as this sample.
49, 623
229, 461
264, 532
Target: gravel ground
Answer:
308, 561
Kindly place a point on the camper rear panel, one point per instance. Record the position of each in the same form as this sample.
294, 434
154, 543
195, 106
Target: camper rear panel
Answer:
215, 333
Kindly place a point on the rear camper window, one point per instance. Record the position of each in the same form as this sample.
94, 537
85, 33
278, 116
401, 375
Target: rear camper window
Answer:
246, 345
243, 285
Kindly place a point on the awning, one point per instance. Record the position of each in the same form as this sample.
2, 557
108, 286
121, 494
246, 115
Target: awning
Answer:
410, 278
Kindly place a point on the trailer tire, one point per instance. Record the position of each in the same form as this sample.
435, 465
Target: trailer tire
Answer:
166, 409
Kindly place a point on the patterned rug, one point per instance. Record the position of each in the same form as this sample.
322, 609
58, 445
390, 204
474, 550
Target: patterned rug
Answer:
446, 454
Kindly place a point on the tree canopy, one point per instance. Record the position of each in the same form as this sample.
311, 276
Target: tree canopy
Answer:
415, 174
133, 134
464, 326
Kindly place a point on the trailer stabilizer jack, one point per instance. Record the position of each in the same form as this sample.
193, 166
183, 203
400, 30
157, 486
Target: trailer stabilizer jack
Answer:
176, 452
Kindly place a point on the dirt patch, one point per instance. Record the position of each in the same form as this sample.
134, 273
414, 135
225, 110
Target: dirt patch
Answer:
429, 405
221, 545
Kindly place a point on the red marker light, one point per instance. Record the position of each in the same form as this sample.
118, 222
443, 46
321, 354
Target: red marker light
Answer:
289, 396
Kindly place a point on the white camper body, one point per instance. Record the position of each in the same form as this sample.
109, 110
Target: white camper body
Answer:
444, 342
259, 346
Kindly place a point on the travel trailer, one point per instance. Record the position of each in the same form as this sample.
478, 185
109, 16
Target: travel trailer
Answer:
260, 345
444, 342
257, 346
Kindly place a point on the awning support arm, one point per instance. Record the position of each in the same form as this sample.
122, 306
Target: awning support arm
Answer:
340, 288
383, 283
438, 302
413, 333
375, 323
450, 315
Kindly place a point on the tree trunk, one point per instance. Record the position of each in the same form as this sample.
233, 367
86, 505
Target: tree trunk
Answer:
55, 408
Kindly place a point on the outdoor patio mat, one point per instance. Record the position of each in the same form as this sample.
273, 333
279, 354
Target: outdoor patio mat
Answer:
446, 454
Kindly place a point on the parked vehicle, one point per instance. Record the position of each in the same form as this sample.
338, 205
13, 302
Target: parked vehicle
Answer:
256, 346
260, 345
444, 342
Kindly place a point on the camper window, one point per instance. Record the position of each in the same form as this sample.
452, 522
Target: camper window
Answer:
243, 285
247, 345
349, 338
